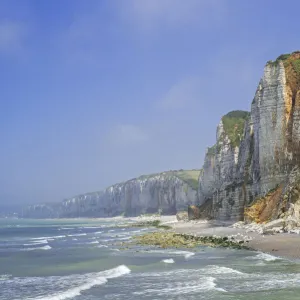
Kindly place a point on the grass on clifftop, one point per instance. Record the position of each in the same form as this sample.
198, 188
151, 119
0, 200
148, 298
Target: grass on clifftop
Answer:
211, 151
234, 123
189, 176
289, 59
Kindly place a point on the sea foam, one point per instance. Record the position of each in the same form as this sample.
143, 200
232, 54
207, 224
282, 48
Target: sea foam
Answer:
92, 280
168, 261
266, 257
47, 247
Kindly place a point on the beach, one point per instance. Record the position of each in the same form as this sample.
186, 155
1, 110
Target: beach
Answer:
281, 244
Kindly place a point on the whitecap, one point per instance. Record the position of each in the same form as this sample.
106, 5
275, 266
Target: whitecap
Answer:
49, 237
92, 280
98, 232
102, 246
93, 242
36, 242
183, 288
220, 270
91, 227
47, 247
186, 254
78, 234
168, 261
67, 228
266, 257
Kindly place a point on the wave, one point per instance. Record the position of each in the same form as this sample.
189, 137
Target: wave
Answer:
66, 228
102, 246
221, 270
93, 242
78, 234
47, 247
98, 232
37, 242
49, 237
172, 289
186, 254
168, 261
92, 227
266, 257
93, 280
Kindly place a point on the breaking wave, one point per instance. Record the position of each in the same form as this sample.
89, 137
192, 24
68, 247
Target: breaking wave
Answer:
93, 279
47, 247
266, 257
48, 237
168, 261
186, 254
37, 242
78, 234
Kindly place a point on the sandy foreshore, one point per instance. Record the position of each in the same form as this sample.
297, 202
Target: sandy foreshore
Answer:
281, 244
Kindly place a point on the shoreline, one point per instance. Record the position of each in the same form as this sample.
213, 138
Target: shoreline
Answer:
281, 245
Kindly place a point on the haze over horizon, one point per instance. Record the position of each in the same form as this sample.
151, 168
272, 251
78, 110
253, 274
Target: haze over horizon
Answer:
98, 92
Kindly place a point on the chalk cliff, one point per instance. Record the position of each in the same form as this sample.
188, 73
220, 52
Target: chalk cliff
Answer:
252, 172
166, 192
255, 154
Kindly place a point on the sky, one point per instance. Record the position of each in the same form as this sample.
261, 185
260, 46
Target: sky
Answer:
97, 92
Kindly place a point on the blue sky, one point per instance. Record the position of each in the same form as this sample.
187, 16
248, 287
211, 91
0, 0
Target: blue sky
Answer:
98, 92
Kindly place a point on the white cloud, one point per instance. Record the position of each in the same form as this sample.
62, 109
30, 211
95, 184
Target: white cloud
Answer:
182, 94
127, 134
12, 36
151, 13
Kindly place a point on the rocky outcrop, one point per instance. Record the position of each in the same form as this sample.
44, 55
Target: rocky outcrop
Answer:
165, 193
255, 156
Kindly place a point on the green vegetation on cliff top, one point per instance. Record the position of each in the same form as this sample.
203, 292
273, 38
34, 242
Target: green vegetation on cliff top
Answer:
190, 177
288, 59
211, 151
233, 124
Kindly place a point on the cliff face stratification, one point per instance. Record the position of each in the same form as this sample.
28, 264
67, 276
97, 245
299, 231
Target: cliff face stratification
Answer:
255, 153
166, 192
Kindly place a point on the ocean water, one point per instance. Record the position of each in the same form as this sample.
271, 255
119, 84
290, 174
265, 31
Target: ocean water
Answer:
81, 260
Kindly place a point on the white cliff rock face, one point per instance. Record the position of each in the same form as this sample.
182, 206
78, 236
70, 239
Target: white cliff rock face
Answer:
216, 182
269, 149
269, 122
206, 178
164, 192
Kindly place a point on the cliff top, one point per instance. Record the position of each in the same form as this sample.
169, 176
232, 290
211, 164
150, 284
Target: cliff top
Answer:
233, 124
291, 63
188, 176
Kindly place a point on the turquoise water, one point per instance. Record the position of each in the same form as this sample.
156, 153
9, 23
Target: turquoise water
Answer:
81, 260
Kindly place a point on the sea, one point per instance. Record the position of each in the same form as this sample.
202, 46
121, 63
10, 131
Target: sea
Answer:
81, 259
